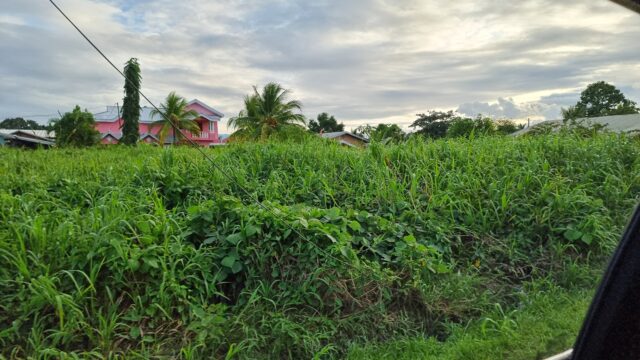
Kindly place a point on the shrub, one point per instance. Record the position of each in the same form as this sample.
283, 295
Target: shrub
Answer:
76, 128
159, 255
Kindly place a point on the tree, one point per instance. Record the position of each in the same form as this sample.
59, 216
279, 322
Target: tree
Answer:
460, 127
76, 129
506, 127
572, 113
131, 103
433, 124
21, 124
600, 99
174, 113
381, 132
266, 113
465, 127
325, 123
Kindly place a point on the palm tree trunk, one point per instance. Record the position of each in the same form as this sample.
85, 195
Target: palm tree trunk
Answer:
264, 133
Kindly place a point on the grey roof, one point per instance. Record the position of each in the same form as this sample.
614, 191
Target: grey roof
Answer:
39, 133
118, 135
111, 114
144, 135
618, 123
115, 135
333, 135
36, 140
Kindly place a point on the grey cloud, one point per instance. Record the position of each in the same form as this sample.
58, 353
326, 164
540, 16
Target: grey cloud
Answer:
504, 108
565, 99
361, 60
509, 109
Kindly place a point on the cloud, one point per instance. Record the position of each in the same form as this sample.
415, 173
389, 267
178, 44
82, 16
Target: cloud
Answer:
507, 108
364, 61
504, 108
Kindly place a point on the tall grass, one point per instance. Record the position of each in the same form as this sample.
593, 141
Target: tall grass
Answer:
118, 252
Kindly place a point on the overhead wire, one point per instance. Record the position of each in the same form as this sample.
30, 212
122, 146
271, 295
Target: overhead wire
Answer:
193, 143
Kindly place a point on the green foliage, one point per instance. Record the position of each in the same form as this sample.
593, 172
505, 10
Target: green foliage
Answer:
266, 113
325, 123
146, 252
131, 103
21, 124
466, 127
548, 325
582, 127
387, 133
76, 129
173, 113
505, 127
600, 99
439, 124
572, 112
574, 127
433, 124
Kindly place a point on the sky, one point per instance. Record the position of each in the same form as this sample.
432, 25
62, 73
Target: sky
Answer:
363, 61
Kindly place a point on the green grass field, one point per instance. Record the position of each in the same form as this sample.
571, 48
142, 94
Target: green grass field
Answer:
484, 248
546, 326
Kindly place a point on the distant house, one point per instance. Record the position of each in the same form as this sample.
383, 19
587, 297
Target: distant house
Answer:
26, 138
109, 124
346, 138
617, 123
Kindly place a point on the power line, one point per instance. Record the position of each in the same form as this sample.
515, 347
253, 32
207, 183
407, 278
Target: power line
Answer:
204, 154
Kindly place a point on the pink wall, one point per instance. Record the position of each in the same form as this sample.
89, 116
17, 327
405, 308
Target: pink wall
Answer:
113, 127
205, 138
200, 109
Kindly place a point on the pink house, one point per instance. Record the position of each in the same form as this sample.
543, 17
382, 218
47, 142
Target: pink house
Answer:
109, 124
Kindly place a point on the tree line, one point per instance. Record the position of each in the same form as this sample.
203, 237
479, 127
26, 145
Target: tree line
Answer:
77, 128
269, 113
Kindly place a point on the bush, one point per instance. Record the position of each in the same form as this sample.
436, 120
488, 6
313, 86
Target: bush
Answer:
465, 127
160, 255
76, 129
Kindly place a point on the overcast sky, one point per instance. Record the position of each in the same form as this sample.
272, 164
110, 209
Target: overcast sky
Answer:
364, 61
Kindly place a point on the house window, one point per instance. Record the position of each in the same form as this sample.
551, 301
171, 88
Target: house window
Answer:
210, 126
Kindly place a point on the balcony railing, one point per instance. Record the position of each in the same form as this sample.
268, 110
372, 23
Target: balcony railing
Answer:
201, 136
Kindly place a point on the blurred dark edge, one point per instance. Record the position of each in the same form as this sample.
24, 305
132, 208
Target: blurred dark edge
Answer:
629, 4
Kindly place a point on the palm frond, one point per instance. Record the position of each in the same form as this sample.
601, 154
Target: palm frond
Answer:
266, 111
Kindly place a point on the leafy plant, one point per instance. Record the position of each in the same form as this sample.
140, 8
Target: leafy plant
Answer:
266, 113
173, 118
143, 252
131, 103
76, 129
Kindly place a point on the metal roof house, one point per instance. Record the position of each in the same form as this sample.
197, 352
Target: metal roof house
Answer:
26, 138
28, 132
109, 124
346, 138
617, 123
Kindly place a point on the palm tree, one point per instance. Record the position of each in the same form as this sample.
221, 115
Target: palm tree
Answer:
174, 113
266, 113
